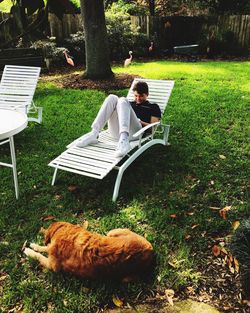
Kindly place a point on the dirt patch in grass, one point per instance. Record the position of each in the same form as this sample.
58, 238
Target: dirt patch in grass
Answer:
119, 81
66, 78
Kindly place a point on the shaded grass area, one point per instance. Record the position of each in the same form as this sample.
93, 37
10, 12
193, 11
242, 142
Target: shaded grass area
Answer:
205, 166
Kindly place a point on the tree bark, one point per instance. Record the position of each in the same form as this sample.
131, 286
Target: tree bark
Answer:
96, 41
152, 7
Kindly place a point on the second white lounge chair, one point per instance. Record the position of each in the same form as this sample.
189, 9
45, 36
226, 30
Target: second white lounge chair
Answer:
17, 88
98, 160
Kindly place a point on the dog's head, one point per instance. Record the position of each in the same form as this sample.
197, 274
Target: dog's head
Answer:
50, 232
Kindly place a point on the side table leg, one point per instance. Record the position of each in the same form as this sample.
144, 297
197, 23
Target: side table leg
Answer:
13, 158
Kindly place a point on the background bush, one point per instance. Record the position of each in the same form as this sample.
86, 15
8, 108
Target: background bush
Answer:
123, 37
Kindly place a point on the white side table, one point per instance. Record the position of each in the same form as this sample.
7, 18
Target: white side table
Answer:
11, 123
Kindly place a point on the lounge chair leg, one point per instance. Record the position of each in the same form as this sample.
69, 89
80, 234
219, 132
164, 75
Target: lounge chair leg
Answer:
166, 133
54, 176
117, 185
40, 115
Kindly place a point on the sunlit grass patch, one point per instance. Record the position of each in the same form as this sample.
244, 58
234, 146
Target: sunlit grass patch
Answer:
5, 6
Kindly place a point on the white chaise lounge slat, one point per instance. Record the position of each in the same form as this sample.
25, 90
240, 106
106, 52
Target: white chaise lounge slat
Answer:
97, 160
17, 88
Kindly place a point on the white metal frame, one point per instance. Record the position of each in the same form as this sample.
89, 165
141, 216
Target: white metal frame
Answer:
11, 123
17, 88
98, 160
13, 164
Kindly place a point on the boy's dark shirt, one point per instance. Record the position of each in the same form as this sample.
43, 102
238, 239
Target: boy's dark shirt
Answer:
145, 110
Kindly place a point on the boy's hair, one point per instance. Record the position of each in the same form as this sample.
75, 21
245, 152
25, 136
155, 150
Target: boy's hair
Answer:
141, 88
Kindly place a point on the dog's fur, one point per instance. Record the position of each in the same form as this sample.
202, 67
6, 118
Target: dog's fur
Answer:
122, 254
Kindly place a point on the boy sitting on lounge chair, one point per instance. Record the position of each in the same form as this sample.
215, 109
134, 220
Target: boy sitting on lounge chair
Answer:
124, 118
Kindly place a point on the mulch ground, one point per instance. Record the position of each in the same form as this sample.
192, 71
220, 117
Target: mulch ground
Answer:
119, 81
73, 78
220, 281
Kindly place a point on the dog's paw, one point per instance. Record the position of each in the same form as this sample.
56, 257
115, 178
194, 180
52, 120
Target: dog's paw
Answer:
34, 246
29, 252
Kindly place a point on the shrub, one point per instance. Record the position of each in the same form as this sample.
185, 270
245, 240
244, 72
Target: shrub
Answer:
76, 46
52, 53
122, 36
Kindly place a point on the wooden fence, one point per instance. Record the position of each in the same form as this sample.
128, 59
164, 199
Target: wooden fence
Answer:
70, 24
180, 30
167, 31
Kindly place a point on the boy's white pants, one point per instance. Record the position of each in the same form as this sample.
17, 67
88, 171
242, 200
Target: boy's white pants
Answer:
120, 117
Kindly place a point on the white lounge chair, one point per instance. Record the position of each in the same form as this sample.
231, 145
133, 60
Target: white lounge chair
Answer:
97, 160
17, 88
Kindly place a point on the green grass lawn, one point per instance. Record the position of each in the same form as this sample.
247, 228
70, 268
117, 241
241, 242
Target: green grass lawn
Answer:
5, 6
205, 166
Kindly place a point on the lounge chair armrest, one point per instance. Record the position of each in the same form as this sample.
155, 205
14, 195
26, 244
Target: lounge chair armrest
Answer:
20, 106
143, 129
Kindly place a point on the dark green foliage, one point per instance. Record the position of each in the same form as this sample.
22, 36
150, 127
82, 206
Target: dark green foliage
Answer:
122, 36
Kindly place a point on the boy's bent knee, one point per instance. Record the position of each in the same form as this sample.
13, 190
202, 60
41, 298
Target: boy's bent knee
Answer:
112, 98
123, 101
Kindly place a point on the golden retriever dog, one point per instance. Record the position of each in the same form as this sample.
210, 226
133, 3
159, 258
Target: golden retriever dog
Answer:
122, 254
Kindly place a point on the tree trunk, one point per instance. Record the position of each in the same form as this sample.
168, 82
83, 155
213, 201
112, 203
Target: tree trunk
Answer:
96, 41
152, 7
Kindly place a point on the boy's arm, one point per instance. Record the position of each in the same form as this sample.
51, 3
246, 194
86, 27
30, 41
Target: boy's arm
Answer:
153, 119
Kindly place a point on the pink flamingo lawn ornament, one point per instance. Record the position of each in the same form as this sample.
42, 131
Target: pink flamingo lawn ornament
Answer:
68, 58
128, 61
151, 48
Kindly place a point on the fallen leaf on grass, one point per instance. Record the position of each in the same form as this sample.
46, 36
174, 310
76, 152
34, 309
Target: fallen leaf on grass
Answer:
190, 213
214, 208
222, 249
227, 307
170, 294
194, 226
118, 302
222, 157
216, 250
58, 197
72, 188
223, 212
172, 264
3, 276
231, 268
173, 216
48, 218
203, 234
235, 224
236, 265
190, 289
187, 237
247, 302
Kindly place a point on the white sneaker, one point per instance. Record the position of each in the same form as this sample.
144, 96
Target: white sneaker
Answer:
86, 140
123, 148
